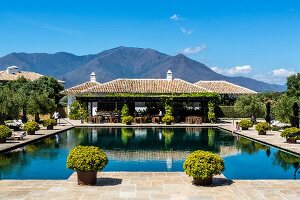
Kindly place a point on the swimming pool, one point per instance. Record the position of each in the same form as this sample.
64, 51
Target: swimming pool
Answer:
149, 149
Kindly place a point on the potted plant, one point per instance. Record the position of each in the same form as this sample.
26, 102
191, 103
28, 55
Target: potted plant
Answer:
262, 128
49, 123
87, 160
245, 124
31, 127
168, 119
288, 131
202, 166
211, 112
127, 120
5, 133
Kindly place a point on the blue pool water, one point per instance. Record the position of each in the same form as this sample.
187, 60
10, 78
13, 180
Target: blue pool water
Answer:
149, 149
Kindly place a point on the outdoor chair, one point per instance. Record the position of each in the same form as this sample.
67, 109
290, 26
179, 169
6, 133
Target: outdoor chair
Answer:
18, 135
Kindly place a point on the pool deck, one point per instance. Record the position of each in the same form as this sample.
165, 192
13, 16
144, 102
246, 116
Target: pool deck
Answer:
42, 133
156, 185
145, 185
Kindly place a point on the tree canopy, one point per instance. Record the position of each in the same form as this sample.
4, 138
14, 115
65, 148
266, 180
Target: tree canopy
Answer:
293, 85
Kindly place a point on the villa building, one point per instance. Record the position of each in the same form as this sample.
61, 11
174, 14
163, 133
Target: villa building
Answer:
13, 73
142, 94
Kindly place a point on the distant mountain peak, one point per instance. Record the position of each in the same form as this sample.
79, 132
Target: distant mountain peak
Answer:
125, 62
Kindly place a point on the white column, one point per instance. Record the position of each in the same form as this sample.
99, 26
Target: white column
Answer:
94, 108
71, 99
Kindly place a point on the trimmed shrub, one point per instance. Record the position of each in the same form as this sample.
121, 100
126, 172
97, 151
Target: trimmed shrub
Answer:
167, 119
203, 164
49, 122
263, 127
77, 111
127, 119
5, 132
288, 131
86, 159
31, 126
275, 128
245, 124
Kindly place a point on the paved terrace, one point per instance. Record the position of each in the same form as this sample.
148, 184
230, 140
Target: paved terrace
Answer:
145, 185
42, 133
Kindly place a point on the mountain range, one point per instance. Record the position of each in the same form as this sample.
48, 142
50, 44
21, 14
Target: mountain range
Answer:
123, 62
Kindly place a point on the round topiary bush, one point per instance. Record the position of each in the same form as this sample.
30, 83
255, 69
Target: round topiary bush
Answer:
262, 128
245, 124
127, 120
168, 119
202, 166
31, 127
49, 122
288, 131
5, 132
87, 159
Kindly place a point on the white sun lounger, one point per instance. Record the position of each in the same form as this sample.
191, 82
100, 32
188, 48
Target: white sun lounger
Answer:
18, 135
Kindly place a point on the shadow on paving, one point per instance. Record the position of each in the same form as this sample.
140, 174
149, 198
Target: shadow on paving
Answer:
108, 181
216, 182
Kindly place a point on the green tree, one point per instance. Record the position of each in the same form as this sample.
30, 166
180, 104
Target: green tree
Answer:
77, 111
40, 104
211, 112
22, 87
9, 104
125, 110
250, 105
284, 108
48, 85
293, 85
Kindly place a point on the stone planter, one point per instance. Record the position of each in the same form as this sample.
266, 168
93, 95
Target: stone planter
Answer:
262, 133
31, 132
50, 127
201, 181
2, 140
290, 140
86, 178
168, 123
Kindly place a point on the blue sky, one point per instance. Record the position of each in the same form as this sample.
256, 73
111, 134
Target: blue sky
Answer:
254, 38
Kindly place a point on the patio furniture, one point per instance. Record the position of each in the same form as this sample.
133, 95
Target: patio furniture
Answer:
18, 135
197, 120
155, 119
138, 120
189, 120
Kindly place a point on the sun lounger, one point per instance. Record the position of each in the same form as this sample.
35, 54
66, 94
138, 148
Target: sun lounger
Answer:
18, 135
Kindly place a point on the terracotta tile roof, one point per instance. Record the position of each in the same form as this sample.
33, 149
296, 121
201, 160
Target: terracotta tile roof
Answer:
147, 86
224, 87
4, 76
79, 88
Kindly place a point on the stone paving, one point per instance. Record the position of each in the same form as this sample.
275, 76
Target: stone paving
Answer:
42, 133
272, 138
144, 185
156, 185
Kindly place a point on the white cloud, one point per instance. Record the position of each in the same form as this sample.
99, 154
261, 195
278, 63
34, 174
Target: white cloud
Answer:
176, 17
282, 72
194, 50
245, 69
237, 70
185, 31
277, 76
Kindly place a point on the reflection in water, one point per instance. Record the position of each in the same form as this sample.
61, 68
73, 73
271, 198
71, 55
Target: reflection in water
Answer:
287, 161
148, 149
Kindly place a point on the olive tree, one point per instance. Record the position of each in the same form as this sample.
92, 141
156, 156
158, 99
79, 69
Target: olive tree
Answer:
9, 104
284, 108
250, 105
293, 85
40, 104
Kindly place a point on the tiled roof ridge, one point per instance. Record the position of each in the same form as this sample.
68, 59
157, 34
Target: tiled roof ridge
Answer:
227, 82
